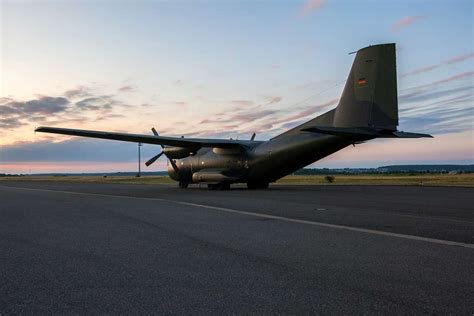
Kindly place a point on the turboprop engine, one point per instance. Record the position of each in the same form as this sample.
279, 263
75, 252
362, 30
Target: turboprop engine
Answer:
179, 152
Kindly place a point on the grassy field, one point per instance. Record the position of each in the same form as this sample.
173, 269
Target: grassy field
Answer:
399, 179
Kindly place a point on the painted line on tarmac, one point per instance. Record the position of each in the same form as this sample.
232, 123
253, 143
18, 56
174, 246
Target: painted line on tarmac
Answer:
280, 218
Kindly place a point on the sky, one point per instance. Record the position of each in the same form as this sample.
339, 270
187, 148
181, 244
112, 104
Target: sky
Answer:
223, 69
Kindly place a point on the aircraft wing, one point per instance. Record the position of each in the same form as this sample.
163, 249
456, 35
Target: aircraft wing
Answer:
146, 139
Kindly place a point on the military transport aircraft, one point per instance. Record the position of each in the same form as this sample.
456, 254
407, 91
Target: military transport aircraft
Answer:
367, 109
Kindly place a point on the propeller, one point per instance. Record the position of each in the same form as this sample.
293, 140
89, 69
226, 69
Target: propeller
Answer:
155, 158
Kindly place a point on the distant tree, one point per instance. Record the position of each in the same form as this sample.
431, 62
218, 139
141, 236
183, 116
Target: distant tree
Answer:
329, 178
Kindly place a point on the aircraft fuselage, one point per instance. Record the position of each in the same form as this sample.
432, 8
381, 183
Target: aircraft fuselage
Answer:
261, 162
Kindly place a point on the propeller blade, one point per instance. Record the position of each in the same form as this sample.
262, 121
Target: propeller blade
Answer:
153, 159
253, 136
173, 164
156, 134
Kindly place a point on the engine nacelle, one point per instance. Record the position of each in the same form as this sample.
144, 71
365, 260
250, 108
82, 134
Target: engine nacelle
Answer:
179, 152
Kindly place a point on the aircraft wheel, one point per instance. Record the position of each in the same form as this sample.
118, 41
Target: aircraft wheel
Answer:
257, 185
183, 185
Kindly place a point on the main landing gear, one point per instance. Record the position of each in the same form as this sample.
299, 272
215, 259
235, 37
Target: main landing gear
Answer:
183, 185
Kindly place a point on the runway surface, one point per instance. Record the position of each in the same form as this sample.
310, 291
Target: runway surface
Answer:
111, 248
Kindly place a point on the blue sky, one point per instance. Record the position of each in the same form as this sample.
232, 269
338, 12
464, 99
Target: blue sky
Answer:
224, 69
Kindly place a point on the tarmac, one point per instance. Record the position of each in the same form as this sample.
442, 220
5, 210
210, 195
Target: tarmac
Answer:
112, 248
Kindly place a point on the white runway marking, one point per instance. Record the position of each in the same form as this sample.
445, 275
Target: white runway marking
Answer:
280, 218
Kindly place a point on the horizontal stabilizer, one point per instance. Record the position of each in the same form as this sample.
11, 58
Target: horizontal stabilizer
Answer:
343, 131
362, 132
410, 135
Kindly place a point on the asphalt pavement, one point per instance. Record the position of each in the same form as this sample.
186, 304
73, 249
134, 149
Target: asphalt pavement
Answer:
111, 248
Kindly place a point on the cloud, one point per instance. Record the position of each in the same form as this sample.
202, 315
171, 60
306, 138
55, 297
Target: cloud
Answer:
79, 92
10, 123
260, 119
178, 103
274, 100
104, 102
420, 70
420, 95
312, 110
460, 58
436, 108
127, 89
406, 21
250, 116
450, 61
414, 91
238, 117
72, 107
44, 105
311, 5
242, 102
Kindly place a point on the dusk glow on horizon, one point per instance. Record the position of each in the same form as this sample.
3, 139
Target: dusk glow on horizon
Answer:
223, 70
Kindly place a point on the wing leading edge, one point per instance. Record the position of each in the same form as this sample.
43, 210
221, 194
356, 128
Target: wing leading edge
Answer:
145, 139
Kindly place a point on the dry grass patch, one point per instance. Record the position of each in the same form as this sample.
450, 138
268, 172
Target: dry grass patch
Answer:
402, 179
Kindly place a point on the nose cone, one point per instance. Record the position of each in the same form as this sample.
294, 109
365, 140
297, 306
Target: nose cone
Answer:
172, 173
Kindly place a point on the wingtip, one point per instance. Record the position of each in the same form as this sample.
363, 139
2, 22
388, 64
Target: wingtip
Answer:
42, 129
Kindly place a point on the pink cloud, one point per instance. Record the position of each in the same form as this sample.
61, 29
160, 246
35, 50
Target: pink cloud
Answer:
311, 111
460, 58
450, 61
420, 70
406, 21
460, 76
312, 5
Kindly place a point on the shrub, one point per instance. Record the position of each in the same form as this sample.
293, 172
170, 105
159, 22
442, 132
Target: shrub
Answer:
329, 179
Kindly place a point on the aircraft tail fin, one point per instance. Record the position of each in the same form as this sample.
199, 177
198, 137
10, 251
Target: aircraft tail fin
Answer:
369, 98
